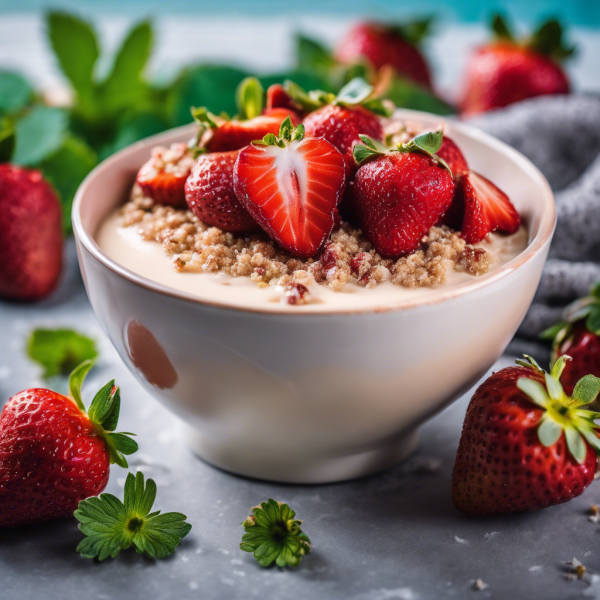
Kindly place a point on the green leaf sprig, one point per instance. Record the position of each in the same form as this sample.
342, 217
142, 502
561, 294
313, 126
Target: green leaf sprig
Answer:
273, 535
427, 143
111, 525
563, 413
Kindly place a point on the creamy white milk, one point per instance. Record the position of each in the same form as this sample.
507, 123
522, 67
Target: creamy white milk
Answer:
126, 247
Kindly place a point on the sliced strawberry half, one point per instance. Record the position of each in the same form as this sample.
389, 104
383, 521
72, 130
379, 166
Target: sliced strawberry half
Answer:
486, 208
291, 186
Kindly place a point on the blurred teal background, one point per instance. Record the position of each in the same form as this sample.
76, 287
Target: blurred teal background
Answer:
585, 13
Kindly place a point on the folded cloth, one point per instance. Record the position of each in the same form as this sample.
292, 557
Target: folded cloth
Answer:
561, 136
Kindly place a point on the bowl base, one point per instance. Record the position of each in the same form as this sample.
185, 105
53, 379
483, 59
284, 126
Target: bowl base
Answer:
301, 467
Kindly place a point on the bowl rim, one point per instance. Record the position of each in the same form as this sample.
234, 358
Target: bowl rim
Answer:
537, 244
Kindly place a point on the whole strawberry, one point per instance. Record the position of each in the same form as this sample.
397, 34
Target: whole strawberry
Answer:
31, 241
53, 454
526, 444
210, 195
506, 70
394, 45
479, 207
291, 186
579, 336
343, 118
398, 194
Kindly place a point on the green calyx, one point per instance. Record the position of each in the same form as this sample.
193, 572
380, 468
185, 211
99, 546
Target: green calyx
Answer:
111, 525
427, 143
274, 536
287, 133
586, 309
547, 39
564, 413
104, 414
414, 31
357, 92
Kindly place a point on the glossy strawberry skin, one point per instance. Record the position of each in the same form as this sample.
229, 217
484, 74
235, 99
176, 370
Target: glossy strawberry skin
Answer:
502, 73
31, 241
210, 196
165, 184
398, 198
341, 127
453, 156
584, 348
50, 458
233, 135
501, 466
277, 97
295, 205
382, 46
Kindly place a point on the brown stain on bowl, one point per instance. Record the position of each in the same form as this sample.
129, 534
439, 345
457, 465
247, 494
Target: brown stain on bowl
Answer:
149, 357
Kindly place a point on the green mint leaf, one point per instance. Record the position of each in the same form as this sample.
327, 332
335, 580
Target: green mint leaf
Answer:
65, 169
312, 55
111, 525
501, 29
124, 85
15, 92
354, 92
76, 47
76, 380
274, 536
59, 351
586, 390
131, 130
102, 403
250, 98
7, 140
40, 133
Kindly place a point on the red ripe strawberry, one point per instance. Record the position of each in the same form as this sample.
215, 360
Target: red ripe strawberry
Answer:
53, 454
400, 193
163, 177
525, 444
31, 241
292, 185
479, 207
341, 119
210, 196
236, 134
383, 45
277, 97
507, 71
579, 336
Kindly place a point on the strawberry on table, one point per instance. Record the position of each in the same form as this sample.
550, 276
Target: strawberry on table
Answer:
479, 207
507, 70
399, 193
209, 193
579, 336
277, 97
525, 443
163, 177
31, 240
394, 45
343, 118
291, 186
53, 454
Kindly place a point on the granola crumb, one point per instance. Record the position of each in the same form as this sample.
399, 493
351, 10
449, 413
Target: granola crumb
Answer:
347, 256
479, 585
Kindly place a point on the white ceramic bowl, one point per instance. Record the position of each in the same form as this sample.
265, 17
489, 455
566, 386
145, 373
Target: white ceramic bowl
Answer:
311, 397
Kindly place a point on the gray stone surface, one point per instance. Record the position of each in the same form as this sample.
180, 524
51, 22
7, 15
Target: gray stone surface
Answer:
391, 536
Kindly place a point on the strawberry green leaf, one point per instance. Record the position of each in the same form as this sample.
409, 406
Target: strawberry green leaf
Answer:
552, 332
406, 94
575, 443
595, 291
535, 390
111, 525
501, 29
123, 443
59, 351
307, 101
548, 40
76, 380
354, 92
592, 439
548, 432
15, 92
593, 320
553, 385
76, 47
103, 404
414, 32
312, 55
529, 363
40, 133
586, 390
370, 148
250, 98
7, 140
430, 142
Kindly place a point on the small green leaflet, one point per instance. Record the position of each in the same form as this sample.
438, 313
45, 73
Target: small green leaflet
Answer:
111, 525
76, 380
59, 351
250, 98
7, 139
15, 92
274, 536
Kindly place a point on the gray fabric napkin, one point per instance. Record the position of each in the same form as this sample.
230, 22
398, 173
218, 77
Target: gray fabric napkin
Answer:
561, 136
